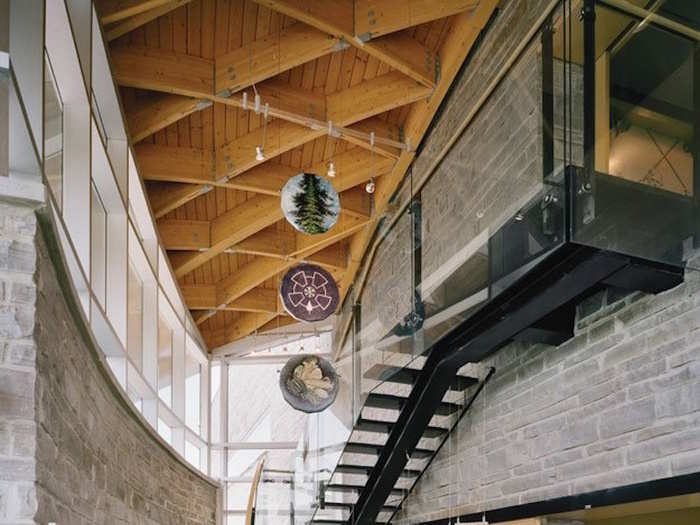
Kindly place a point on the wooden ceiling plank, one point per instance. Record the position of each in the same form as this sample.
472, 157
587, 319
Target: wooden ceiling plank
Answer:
159, 112
270, 55
362, 101
245, 324
174, 164
381, 128
124, 26
232, 227
168, 196
163, 70
184, 234
115, 10
336, 18
374, 18
371, 97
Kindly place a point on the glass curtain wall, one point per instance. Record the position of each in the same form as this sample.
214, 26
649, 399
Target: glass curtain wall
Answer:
64, 142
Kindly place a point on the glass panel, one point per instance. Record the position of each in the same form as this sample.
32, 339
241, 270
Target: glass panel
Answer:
193, 454
99, 249
215, 402
193, 378
135, 318
53, 135
165, 431
165, 363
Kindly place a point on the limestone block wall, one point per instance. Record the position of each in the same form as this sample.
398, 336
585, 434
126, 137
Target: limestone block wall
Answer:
617, 404
71, 448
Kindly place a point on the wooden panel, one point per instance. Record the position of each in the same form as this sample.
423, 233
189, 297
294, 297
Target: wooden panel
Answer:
336, 18
167, 196
233, 226
379, 17
174, 164
162, 70
158, 113
243, 325
331, 16
270, 55
115, 10
381, 128
184, 234
199, 296
371, 97
126, 26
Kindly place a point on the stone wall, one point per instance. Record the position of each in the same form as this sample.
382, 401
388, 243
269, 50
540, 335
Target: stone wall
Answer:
617, 404
17, 365
71, 449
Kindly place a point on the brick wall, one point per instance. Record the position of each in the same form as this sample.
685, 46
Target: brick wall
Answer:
72, 450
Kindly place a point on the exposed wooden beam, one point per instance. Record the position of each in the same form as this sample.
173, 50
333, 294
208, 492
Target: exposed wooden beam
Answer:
346, 107
114, 10
174, 164
245, 324
167, 196
374, 18
278, 322
234, 226
381, 128
271, 55
159, 112
335, 17
163, 70
372, 97
203, 297
125, 26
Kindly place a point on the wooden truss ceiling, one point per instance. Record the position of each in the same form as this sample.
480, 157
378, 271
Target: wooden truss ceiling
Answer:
379, 66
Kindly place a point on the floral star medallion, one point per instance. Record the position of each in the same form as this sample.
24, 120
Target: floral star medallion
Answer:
309, 293
309, 383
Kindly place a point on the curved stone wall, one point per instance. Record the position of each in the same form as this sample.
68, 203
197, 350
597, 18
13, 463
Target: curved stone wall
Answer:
72, 450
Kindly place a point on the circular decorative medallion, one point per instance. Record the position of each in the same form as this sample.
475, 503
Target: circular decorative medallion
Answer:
310, 203
309, 293
309, 383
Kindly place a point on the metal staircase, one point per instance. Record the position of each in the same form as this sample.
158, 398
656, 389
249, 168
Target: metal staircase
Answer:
376, 422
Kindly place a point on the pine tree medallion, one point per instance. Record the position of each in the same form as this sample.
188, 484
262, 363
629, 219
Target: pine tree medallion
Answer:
310, 203
309, 293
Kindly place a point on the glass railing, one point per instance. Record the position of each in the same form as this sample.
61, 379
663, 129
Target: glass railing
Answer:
637, 191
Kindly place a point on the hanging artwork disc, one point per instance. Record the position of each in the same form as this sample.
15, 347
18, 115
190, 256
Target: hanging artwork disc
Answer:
309, 293
309, 383
310, 203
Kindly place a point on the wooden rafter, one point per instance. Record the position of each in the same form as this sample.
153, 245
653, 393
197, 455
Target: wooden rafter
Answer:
360, 64
143, 13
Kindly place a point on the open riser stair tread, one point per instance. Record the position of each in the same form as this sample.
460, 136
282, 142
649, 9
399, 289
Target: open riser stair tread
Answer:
366, 469
408, 376
384, 427
370, 449
393, 402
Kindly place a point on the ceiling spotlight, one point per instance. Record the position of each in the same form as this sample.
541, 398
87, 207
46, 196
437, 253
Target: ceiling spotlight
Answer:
331, 169
370, 186
259, 153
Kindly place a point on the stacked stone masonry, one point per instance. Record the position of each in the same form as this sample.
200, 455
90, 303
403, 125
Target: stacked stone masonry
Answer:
72, 451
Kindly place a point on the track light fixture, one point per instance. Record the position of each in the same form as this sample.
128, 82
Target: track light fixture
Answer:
370, 186
331, 169
259, 153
